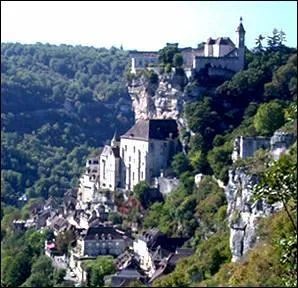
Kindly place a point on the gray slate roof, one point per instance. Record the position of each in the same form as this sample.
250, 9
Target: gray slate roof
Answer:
159, 129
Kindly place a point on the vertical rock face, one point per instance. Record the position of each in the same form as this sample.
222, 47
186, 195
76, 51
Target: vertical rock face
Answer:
243, 213
161, 101
279, 142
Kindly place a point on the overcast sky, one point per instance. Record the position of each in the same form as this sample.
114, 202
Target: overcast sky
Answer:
143, 25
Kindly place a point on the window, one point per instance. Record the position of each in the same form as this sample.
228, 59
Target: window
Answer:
134, 149
142, 175
125, 147
133, 176
129, 158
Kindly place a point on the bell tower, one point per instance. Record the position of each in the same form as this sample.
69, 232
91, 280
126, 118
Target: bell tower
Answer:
240, 44
240, 35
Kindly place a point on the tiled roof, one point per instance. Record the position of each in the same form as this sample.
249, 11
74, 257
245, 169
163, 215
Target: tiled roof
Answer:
159, 129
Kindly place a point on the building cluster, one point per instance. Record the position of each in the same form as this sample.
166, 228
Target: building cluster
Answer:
219, 56
143, 153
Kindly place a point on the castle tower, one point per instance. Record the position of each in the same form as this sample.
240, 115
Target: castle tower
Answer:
240, 35
240, 44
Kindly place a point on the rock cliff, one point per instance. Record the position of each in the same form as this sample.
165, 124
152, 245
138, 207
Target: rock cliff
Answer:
243, 213
162, 100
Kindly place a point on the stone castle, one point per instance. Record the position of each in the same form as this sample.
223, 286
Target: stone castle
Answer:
221, 56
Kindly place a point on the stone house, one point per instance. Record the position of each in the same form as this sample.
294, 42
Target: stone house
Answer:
103, 240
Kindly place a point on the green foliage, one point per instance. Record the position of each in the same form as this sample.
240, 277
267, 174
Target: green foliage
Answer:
167, 54
61, 93
178, 60
146, 195
115, 218
98, 268
269, 117
284, 82
219, 159
180, 163
279, 184
41, 273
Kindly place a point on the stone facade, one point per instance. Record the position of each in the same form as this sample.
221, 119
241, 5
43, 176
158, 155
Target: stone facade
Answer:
146, 149
110, 166
89, 180
138, 155
104, 241
246, 146
220, 53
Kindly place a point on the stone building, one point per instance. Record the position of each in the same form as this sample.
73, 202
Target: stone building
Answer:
104, 241
141, 154
219, 55
246, 146
110, 165
146, 149
89, 181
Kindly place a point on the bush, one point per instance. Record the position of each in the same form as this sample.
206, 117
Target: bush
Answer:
269, 117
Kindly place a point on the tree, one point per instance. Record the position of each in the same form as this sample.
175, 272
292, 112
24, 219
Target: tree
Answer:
16, 269
146, 195
279, 184
166, 54
258, 41
269, 117
98, 268
178, 60
180, 163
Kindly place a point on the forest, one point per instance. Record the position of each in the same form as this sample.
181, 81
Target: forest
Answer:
58, 104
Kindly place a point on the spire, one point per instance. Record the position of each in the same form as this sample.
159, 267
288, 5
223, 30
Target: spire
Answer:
115, 139
240, 28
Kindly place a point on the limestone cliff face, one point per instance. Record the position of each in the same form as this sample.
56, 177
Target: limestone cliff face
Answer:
163, 100
243, 213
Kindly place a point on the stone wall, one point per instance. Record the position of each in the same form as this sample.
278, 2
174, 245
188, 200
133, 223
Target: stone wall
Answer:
246, 146
230, 63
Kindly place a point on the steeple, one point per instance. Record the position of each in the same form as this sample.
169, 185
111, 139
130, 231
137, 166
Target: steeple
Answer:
240, 34
115, 140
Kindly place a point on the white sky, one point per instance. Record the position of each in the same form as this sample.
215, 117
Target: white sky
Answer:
142, 25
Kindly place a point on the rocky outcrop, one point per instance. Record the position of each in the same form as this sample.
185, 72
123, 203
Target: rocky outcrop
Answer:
244, 213
163, 100
279, 142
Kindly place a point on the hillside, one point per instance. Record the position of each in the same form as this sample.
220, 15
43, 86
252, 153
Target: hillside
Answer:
58, 103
